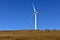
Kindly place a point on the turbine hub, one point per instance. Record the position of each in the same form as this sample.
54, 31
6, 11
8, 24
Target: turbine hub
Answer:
35, 12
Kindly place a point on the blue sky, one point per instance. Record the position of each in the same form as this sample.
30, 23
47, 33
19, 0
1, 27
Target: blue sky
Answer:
15, 14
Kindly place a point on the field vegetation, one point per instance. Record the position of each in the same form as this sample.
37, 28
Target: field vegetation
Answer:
30, 35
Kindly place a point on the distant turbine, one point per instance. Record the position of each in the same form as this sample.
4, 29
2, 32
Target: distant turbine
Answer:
35, 14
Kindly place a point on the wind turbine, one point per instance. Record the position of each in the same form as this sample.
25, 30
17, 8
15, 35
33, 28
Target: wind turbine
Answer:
35, 15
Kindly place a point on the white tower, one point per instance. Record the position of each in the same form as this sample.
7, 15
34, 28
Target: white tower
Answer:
35, 14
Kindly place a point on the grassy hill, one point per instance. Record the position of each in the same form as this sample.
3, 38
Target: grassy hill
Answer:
30, 35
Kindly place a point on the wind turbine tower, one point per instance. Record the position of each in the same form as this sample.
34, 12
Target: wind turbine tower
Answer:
35, 15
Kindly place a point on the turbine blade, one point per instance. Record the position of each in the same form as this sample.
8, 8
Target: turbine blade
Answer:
33, 7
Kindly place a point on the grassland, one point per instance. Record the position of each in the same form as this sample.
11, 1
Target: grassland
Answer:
30, 35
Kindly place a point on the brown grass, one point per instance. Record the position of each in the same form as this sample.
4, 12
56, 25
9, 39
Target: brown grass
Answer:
30, 35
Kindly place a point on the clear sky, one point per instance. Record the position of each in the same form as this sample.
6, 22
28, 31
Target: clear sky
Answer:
16, 14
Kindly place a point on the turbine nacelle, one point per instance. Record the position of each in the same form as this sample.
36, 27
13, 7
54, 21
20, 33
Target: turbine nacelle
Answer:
35, 12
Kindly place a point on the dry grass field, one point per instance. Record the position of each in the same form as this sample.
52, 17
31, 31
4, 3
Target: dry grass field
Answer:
30, 35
